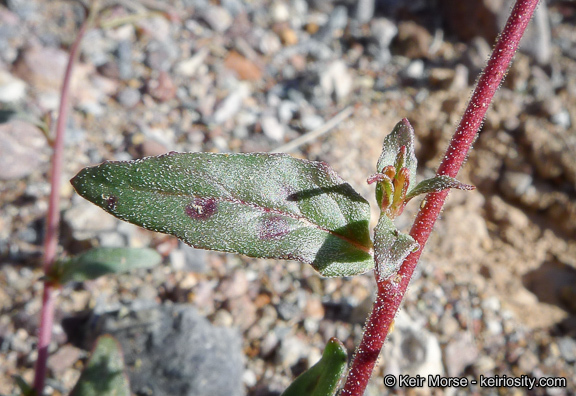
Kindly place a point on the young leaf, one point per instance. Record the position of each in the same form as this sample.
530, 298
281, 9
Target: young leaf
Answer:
401, 135
101, 261
25, 388
260, 205
437, 184
391, 247
397, 152
104, 374
322, 379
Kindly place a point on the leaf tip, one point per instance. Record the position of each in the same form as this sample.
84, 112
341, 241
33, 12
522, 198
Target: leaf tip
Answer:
336, 343
467, 187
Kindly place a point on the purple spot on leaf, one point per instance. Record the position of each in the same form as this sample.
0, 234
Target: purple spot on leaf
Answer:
111, 201
273, 227
201, 208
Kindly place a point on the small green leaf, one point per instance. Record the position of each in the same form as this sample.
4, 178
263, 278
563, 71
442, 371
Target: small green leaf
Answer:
437, 184
25, 388
397, 154
391, 247
102, 261
104, 374
401, 135
323, 378
7, 115
384, 190
260, 205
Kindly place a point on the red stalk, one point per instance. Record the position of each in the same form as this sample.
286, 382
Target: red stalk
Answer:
53, 217
391, 292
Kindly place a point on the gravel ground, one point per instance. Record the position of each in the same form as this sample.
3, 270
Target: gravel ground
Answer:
495, 293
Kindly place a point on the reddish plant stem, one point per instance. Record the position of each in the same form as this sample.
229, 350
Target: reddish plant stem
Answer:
53, 216
391, 291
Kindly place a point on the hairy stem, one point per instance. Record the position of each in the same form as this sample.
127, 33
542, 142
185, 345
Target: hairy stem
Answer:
53, 215
391, 291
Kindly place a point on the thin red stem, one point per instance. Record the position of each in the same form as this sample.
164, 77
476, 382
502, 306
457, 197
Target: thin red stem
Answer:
53, 217
391, 292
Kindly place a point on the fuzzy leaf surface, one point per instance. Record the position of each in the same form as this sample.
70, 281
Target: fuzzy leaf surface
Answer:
104, 374
401, 135
437, 184
323, 378
391, 247
260, 205
102, 261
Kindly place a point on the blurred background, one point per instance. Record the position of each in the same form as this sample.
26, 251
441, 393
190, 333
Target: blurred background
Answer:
495, 290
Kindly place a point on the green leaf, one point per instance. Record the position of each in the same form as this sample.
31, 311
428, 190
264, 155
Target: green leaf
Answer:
384, 189
323, 378
260, 205
104, 373
391, 247
437, 184
102, 261
401, 135
25, 388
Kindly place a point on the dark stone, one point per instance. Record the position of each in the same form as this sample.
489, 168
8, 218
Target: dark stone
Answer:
288, 311
457, 14
172, 350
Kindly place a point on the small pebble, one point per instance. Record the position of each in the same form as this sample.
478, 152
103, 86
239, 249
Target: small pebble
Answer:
272, 128
129, 97
12, 89
218, 18
311, 122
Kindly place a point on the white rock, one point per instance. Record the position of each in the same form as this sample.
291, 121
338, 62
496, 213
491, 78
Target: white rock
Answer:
189, 67
412, 349
491, 303
383, 30
336, 80
280, 11
415, 69
562, 118
218, 18
286, 111
249, 378
231, 105
311, 122
270, 43
272, 128
494, 327
12, 89
291, 350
